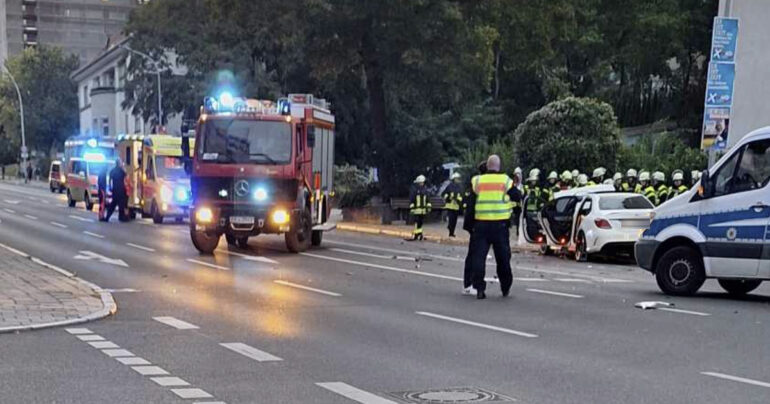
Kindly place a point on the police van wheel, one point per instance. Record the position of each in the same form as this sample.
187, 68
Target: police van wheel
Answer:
316, 238
89, 204
70, 201
298, 237
739, 287
205, 243
680, 272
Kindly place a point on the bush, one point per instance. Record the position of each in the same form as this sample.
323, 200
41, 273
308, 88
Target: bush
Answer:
569, 133
479, 152
352, 186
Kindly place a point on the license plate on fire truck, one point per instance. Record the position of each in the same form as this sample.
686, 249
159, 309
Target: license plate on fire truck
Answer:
242, 219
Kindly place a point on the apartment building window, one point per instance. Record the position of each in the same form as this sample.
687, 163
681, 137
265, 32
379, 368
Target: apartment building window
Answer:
105, 127
85, 96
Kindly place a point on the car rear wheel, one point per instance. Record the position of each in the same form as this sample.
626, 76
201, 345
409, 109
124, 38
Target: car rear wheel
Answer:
203, 242
70, 201
680, 272
89, 204
581, 248
739, 287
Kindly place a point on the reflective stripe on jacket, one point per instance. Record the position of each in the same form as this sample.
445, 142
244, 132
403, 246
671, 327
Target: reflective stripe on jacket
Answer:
651, 194
534, 197
453, 197
419, 204
492, 200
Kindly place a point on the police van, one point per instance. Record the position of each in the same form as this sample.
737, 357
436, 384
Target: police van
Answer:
719, 229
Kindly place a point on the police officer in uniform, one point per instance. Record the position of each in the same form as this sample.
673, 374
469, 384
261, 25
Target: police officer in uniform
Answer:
453, 200
494, 192
468, 223
119, 194
419, 206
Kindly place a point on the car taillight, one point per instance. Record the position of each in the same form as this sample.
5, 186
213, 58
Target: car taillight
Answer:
563, 241
602, 223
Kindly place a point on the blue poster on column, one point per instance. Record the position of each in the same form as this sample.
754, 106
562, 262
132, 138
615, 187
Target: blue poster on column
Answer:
719, 86
724, 39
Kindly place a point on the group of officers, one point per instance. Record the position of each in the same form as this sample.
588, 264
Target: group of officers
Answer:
494, 203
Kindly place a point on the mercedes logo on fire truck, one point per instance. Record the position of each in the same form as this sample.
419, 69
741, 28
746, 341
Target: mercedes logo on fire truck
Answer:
241, 188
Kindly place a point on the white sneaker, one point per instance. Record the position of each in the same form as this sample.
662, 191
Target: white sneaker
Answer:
469, 291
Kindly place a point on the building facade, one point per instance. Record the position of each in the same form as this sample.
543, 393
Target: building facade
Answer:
80, 27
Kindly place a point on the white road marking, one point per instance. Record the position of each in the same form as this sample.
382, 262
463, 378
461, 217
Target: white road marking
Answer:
31, 217
531, 279
150, 370
9, 210
133, 360
119, 354
392, 250
169, 381
82, 219
352, 393
15, 251
12, 202
475, 324
123, 290
90, 337
694, 313
549, 292
363, 254
589, 277
191, 393
78, 331
573, 280
250, 257
103, 344
250, 352
387, 268
206, 264
52, 267
88, 233
176, 323
209, 402
63, 226
294, 285
90, 255
737, 379
141, 247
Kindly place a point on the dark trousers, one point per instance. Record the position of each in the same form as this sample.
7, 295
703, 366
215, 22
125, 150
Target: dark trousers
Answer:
515, 218
121, 202
496, 235
468, 269
418, 219
452, 216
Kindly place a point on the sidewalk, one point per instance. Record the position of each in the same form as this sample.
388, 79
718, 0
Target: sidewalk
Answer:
43, 184
36, 295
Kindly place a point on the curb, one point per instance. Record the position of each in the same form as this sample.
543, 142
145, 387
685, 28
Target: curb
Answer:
110, 307
348, 227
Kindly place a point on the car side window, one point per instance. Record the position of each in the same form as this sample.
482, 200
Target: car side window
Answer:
586, 208
724, 177
754, 167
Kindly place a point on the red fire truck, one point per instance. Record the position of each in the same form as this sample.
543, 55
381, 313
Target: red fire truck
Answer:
261, 167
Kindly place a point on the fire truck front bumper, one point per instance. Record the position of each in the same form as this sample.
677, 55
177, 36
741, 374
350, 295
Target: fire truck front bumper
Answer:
240, 220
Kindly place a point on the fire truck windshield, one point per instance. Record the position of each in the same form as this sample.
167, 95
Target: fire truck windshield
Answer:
240, 141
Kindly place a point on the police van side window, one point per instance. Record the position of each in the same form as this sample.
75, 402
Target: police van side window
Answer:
754, 167
725, 175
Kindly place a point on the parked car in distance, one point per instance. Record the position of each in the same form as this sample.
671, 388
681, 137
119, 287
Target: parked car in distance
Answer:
57, 181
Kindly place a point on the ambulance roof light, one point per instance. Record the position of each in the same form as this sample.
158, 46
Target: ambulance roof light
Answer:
92, 142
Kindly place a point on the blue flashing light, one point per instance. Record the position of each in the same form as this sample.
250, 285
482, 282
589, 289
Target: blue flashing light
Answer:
284, 107
93, 157
226, 100
260, 194
92, 142
181, 195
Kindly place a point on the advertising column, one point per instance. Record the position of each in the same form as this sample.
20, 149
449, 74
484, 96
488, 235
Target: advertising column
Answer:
719, 85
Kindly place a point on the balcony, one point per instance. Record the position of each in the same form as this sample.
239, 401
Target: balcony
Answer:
102, 90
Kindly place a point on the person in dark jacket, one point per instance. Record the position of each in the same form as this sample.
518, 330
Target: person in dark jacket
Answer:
119, 195
468, 223
453, 202
101, 184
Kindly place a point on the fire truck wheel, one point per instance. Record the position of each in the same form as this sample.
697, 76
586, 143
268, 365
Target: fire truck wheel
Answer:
132, 214
205, 243
70, 201
242, 242
317, 237
298, 238
157, 218
230, 239
89, 204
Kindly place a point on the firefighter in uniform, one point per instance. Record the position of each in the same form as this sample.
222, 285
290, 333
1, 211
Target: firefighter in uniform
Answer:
419, 206
533, 192
565, 181
518, 183
678, 187
617, 181
659, 183
694, 177
494, 192
598, 176
582, 180
551, 187
453, 201
631, 184
646, 188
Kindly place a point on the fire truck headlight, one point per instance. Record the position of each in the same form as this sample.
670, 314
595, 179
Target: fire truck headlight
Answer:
260, 194
181, 194
166, 194
204, 215
280, 216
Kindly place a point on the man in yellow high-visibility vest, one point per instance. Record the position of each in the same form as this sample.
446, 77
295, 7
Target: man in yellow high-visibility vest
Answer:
494, 193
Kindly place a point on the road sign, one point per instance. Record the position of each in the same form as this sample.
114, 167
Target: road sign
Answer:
724, 39
90, 255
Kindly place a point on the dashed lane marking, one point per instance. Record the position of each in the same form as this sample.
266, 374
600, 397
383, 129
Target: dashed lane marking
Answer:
475, 324
103, 344
176, 323
572, 280
308, 288
59, 225
133, 360
82, 219
11, 211
250, 352
352, 393
30, 217
694, 313
191, 393
119, 353
737, 379
140, 247
255, 258
392, 250
364, 254
531, 279
78, 331
90, 337
550, 292
580, 276
150, 370
88, 233
11, 201
206, 264
169, 381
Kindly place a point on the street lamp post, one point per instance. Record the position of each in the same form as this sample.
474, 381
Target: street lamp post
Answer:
24, 151
157, 71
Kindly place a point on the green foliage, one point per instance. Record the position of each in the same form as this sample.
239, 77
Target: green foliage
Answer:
474, 155
573, 132
50, 101
352, 186
664, 152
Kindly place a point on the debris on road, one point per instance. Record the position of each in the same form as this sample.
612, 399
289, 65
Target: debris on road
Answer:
652, 305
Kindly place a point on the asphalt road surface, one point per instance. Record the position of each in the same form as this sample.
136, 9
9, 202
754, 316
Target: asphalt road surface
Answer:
363, 319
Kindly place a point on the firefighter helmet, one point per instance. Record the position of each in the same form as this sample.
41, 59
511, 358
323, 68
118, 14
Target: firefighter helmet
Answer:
582, 179
631, 173
644, 176
420, 179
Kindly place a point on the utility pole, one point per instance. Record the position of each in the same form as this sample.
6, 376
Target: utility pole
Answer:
157, 71
24, 151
